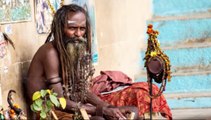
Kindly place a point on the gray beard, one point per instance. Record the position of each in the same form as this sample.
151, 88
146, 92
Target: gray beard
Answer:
76, 48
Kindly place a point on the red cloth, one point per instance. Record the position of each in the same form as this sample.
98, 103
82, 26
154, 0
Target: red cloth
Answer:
109, 80
135, 95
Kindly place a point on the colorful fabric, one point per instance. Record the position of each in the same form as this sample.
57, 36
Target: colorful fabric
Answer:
109, 80
137, 94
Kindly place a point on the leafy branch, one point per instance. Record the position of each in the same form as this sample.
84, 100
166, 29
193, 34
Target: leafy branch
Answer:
44, 101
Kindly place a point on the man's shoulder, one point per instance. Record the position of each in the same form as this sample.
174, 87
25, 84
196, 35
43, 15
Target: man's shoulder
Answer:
48, 48
47, 51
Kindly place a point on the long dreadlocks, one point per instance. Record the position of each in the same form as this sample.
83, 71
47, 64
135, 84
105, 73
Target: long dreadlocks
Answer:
57, 36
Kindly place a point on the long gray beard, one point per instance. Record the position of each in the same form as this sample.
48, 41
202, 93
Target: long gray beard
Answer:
75, 51
78, 60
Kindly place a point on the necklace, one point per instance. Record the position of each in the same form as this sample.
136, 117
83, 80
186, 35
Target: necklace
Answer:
53, 11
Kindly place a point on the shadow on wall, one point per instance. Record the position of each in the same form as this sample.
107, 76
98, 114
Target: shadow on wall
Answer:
24, 70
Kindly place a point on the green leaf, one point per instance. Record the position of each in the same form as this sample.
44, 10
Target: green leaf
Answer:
49, 103
43, 93
36, 108
54, 100
36, 95
38, 102
32, 108
47, 109
49, 106
63, 102
43, 114
55, 94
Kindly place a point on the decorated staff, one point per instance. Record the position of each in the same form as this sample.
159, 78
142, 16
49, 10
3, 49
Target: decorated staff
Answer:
157, 64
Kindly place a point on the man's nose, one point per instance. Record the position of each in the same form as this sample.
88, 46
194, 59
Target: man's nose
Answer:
78, 32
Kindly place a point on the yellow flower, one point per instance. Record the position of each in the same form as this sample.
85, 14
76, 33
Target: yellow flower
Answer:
16, 106
153, 53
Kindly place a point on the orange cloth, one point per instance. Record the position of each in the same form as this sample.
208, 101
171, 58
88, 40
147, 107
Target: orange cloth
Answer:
137, 94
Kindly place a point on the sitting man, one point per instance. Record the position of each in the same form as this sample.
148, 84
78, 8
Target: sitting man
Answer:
59, 65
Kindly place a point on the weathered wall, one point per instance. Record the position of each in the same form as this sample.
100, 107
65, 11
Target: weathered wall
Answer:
120, 33
26, 42
121, 26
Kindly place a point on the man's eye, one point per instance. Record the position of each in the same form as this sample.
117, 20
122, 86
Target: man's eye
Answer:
72, 28
83, 28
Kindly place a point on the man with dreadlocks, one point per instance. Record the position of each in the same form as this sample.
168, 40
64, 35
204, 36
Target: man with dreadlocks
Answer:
63, 64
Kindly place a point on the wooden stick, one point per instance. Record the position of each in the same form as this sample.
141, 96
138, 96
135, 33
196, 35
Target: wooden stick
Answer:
54, 115
84, 114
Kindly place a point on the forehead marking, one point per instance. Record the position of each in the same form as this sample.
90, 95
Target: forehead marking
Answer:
70, 21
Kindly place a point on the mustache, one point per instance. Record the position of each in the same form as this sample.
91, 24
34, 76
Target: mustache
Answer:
75, 40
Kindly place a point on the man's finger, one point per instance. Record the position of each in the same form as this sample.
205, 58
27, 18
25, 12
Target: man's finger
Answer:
120, 115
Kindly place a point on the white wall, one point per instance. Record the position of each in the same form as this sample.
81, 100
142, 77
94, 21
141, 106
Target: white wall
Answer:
121, 26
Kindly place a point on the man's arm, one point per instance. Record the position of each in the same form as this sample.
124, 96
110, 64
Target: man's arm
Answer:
71, 105
51, 67
95, 100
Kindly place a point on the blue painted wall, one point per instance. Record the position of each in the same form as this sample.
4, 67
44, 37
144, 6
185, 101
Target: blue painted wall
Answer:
187, 42
178, 7
185, 84
187, 57
180, 31
202, 102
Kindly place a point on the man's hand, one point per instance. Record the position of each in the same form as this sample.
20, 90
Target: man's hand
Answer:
90, 109
113, 113
130, 110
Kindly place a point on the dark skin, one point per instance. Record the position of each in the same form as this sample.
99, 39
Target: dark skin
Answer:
46, 65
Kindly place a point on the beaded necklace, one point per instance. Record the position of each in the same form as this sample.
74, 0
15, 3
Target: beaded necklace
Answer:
53, 11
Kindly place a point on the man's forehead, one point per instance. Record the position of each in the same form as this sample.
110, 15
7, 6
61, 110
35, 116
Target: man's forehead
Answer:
76, 18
